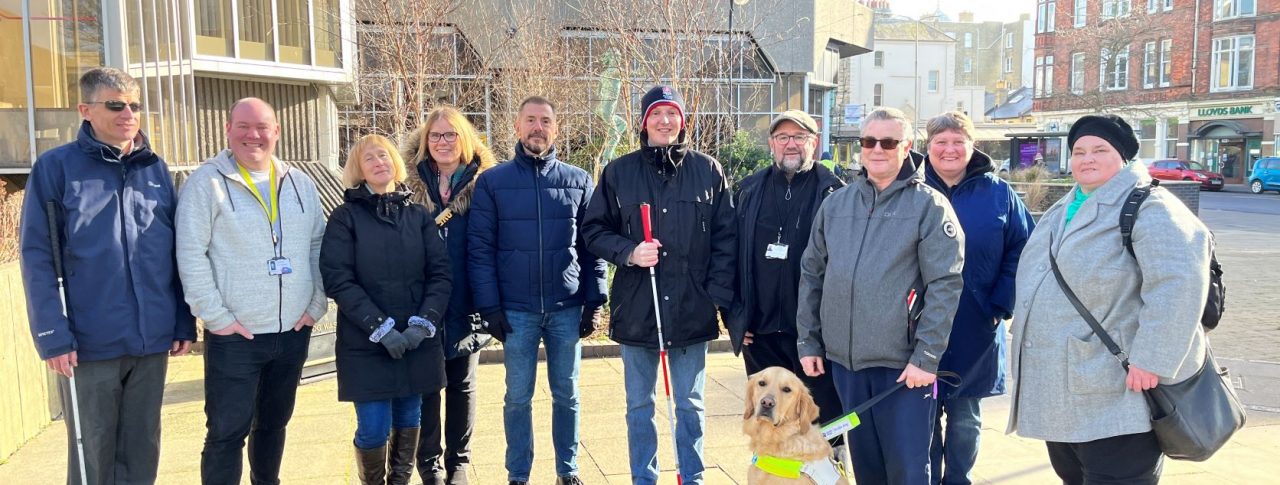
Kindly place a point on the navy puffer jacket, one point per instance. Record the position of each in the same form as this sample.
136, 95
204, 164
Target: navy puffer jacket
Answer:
526, 251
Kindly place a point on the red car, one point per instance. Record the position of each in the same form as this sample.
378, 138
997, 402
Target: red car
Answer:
1184, 170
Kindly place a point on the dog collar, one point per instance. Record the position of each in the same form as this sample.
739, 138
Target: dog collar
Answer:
821, 471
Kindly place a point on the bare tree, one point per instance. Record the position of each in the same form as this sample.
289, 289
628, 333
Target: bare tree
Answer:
1102, 44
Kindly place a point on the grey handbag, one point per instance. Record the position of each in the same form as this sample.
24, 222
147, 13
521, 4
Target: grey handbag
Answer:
1182, 434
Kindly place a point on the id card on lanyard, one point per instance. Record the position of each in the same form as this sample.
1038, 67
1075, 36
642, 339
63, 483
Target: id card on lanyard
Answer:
277, 265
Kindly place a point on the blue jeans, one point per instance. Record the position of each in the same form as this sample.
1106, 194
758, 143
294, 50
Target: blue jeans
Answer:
956, 446
558, 331
688, 378
374, 419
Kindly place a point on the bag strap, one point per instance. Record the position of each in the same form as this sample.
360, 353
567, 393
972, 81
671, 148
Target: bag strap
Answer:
1088, 317
1129, 213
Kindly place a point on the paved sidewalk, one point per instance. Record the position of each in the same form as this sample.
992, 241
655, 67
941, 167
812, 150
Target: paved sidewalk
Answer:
319, 450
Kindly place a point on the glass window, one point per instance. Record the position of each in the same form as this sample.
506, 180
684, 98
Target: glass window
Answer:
1230, 9
1045, 11
1168, 5
878, 59
1081, 13
1115, 8
968, 64
256, 30
65, 42
1077, 73
1166, 62
1232, 63
933, 81
1153, 6
1147, 139
1008, 40
968, 40
213, 29
1170, 137
877, 95
1043, 76
294, 24
1008, 64
1150, 66
1114, 70
328, 28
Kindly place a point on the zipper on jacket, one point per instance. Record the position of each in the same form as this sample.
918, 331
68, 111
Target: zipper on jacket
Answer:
537, 195
857, 259
124, 239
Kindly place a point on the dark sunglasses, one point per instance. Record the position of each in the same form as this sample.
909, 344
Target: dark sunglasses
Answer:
885, 143
117, 105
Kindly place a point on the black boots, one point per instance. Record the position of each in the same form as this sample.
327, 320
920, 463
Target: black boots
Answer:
400, 457
371, 465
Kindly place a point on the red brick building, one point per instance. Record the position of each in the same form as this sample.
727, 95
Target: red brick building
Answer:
1198, 79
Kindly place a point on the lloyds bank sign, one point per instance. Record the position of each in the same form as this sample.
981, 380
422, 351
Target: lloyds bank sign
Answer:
1225, 111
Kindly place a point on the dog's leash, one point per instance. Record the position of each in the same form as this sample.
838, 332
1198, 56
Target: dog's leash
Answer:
843, 424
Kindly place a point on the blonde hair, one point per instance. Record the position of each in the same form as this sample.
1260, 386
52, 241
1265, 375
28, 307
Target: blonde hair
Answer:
950, 121
353, 176
468, 138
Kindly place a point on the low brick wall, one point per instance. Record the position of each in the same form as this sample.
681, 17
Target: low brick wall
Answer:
1188, 192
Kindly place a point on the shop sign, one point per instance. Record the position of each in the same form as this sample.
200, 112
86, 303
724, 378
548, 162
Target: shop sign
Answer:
1225, 111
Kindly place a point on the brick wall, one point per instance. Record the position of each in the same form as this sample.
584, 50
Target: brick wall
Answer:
1189, 192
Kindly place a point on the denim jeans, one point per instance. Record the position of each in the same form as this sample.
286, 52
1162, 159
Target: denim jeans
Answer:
955, 445
558, 331
249, 390
688, 378
374, 419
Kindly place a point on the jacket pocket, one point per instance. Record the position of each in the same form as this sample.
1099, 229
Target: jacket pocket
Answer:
1091, 369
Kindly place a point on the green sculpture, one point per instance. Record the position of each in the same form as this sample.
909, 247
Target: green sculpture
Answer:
609, 91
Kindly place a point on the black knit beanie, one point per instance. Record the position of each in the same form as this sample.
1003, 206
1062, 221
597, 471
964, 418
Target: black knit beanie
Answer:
659, 96
1108, 127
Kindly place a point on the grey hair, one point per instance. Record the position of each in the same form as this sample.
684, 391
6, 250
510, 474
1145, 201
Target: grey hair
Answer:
950, 121
105, 77
889, 114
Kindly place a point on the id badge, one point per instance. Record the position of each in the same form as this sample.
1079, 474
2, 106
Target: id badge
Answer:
775, 251
279, 266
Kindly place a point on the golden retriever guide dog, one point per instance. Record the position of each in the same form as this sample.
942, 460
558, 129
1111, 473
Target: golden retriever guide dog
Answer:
788, 447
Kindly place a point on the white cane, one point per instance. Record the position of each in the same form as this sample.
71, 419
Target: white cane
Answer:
662, 346
56, 245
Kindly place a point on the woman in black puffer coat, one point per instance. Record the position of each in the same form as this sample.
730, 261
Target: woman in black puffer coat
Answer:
385, 265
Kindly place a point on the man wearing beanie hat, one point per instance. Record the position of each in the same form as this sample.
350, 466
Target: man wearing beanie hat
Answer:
776, 206
693, 256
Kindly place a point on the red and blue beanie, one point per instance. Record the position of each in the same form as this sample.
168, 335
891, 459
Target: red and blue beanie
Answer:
661, 96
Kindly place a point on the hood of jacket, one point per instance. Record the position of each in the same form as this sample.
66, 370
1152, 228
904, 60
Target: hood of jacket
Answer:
664, 159
226, 164
96, 149
912, 172
979, 165
461, 200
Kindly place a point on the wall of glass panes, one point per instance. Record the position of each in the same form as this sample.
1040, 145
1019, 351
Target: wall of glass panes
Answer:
302, 32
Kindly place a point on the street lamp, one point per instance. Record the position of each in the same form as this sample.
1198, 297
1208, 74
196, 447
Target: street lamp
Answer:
737, 96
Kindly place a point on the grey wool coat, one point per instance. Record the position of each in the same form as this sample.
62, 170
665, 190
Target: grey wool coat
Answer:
1066, 386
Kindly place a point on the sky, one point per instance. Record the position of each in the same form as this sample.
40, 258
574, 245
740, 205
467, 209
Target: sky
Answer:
983, 10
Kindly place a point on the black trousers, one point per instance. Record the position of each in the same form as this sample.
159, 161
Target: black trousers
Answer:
458, 423
779, 350
1131, 459
119, 419
249, 390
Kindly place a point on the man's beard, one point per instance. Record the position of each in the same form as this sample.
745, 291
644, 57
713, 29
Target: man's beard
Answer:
535, 143
792, 164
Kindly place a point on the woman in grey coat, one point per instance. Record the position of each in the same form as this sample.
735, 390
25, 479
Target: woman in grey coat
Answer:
1068, 389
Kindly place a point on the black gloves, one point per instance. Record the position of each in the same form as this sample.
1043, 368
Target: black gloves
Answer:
590, 316
395, 343
496, 323
414, 335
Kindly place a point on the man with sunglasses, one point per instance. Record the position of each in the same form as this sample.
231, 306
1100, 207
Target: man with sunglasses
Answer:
880, 282
776, 206
113, 202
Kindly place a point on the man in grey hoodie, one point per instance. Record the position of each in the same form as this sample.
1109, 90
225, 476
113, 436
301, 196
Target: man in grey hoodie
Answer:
879, 285
249, 229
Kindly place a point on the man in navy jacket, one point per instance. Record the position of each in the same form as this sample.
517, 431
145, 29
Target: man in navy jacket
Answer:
114, 202
534, 280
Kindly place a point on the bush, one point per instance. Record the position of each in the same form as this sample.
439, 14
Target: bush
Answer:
10, 214
743, 156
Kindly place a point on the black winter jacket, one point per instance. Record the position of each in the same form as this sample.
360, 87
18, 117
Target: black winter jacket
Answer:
748, 204
383, 257
692, 211
460, 339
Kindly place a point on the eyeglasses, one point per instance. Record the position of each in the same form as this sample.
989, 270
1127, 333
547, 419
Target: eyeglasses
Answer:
784, 139
117, 105
450, 136
885, 143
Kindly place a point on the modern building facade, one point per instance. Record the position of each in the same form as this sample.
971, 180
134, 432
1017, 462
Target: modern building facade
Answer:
1198, 80
193, 59
596, 58
994, 55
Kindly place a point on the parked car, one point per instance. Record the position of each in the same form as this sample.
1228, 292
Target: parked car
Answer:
1184, 170
1266, 175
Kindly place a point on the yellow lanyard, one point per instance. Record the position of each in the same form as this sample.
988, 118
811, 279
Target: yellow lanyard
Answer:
274, 213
